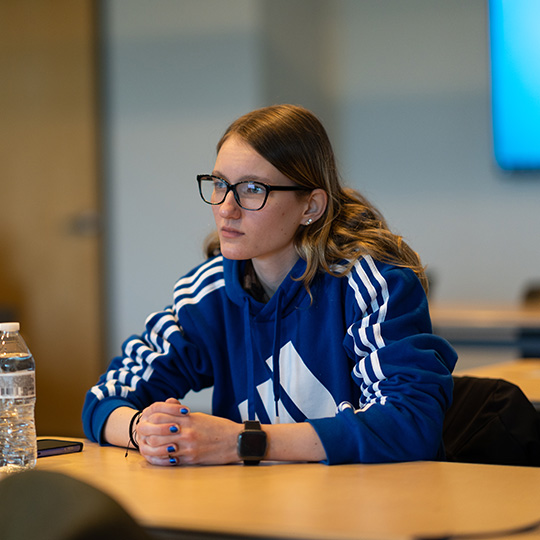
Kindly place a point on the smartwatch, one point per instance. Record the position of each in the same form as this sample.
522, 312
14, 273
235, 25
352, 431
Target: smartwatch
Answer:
252, 443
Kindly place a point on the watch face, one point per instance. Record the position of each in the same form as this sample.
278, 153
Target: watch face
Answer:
252, 444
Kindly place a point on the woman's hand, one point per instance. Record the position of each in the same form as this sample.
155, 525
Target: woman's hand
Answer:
169, 434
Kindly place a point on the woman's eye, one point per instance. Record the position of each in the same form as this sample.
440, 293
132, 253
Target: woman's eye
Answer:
220, 184
254, 189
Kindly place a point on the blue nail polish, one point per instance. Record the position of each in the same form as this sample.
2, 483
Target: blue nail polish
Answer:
173, 429
172, 461
171, 449
183, 410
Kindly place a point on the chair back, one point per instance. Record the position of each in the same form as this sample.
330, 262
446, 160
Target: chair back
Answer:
491, 421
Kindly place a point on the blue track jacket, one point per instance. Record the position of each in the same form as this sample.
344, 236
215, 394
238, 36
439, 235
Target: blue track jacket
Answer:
359, 362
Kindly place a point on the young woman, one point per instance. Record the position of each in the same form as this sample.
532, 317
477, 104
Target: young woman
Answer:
309, 320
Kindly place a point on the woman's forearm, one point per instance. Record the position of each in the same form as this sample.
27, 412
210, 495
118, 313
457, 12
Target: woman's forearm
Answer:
293, 442
116, 430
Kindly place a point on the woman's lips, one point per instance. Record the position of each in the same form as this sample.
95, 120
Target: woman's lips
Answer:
227, 232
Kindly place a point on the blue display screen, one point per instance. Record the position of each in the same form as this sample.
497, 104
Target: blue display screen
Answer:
514, 28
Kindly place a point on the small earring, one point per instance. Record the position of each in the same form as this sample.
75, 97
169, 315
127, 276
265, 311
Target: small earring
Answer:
309, 222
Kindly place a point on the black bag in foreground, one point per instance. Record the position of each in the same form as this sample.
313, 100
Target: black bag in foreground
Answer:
491, 421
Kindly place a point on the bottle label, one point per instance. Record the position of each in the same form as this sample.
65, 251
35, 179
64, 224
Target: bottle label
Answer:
18, 385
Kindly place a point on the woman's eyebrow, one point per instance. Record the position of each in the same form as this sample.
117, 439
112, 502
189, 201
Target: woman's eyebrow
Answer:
243, 178
220, 174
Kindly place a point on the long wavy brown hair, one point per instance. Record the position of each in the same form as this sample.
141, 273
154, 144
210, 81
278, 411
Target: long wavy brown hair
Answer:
294, 141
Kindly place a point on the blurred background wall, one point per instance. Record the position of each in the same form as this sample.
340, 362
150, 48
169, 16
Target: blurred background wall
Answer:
402, 86
51, 254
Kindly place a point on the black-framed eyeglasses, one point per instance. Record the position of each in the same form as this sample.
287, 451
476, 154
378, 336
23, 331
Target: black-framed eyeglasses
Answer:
250, 195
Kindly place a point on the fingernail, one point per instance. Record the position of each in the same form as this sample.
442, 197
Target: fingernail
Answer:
173, 429
171, 449
172, 461
183, 410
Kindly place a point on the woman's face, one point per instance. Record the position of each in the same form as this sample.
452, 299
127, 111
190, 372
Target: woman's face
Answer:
266, 235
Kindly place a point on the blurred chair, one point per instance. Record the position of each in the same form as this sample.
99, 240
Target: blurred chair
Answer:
43, 505
491, 421
529, 338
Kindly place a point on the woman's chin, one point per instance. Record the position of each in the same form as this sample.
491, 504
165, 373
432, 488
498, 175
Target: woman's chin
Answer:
233, 254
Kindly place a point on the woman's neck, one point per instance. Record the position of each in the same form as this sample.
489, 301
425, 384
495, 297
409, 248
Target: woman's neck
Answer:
272, 273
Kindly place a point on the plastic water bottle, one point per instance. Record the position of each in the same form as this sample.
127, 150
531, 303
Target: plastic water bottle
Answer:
17, 401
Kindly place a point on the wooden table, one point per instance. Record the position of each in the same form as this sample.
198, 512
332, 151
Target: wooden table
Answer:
498, 316
495, 324
311, 501
524, 373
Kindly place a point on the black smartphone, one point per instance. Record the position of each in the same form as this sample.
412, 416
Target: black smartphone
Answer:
54, 447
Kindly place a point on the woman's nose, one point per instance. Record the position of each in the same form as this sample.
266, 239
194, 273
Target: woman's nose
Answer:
229, 207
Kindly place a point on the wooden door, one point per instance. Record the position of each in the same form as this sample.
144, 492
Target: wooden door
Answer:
50, 246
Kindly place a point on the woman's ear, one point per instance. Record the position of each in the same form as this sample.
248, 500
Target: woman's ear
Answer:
317, 201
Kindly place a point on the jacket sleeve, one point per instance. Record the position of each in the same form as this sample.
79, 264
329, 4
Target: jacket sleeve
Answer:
159, 364
402, 369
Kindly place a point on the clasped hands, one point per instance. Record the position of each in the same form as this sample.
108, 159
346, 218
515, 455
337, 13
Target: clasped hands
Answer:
169, 434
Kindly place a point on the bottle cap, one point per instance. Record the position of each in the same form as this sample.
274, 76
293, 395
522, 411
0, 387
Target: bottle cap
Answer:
10, 327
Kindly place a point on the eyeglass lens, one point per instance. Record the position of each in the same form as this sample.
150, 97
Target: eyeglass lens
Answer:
250, 195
